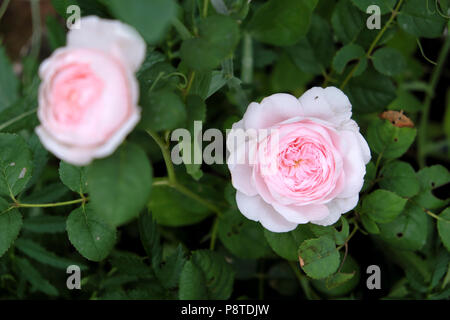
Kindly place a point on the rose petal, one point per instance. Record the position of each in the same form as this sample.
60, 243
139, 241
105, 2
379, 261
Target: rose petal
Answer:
256, 209
302, 214
111, 36
272, 110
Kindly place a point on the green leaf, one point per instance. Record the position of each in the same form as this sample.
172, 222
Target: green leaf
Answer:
348, 53
388, 140
218, 80
162, 110
168, 273
286, 244
342, 283
244, 238
206, 276
382, 205
73, 177
150, 17
389, 61
218, 37
56, 33
369, 224
90, 235
150, 238
319, 257
408, 231
347, 21
431, 178
33, 276
42, 255
444, 228
339, 236
45, 224
170, 207
131, 264
399, 177
15, 164
10, 225
9, 84
196, 111
370, 92
405, 101
385, 5
313, 53
420, 20
281, 22
119, 186
369, 177
286, 76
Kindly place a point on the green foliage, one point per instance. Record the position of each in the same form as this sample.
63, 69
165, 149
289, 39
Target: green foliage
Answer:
15, 164
282, 22
10, 224
382, 205
138, 225
218, 36
119, 186
242, 237
388, 140
89, 234
150, 17
319, 257
206, 276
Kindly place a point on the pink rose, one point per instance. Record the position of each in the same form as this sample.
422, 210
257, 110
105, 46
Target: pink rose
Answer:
89, 94
315, 170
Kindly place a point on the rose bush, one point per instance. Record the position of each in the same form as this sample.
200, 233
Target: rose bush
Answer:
317, 167
343, 162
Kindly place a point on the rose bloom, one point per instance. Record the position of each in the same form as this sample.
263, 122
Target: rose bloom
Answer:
315, 170
88, 95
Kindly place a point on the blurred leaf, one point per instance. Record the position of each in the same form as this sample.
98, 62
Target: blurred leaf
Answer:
319, 257
388, 140
9, 84
313, 53
42, 255
89, 234
150, 17
45, 224
382, 205
348, 53
399, 177
15, 164
119, 186
218, 37
370, 92
33, 276
419, 20
162, 110
55, 33
347, 21
444, 228
281, 22
244, 238
10, 225
206, 276
388, 61
385, 5
369, 224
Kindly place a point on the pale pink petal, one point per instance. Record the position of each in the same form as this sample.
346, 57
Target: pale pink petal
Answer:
272, 110
329, 104
332, 218
256, 209
302, 214
241, 179
364, 148
354, 167
342, 205
110, 36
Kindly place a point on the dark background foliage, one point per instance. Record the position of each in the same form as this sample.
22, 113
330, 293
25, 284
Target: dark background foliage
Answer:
177, 232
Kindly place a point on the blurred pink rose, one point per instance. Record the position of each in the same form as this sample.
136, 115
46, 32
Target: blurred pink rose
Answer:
89, 94
316, 169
